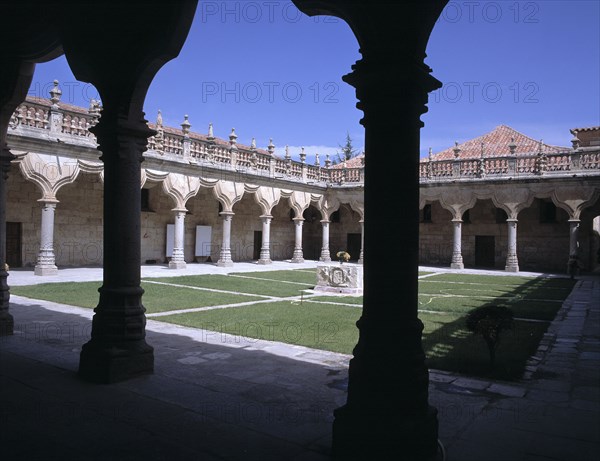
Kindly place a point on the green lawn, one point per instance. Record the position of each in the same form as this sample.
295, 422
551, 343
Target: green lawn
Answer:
444, 301
157, 298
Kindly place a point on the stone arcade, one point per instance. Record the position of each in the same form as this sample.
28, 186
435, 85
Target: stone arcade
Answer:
383, 418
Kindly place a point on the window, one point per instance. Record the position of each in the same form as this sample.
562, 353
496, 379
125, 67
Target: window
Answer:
145, 200
547, 212
426, 213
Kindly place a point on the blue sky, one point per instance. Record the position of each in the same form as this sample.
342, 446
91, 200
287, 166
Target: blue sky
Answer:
272, 72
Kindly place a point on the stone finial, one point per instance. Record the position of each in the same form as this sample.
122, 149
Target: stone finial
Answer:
575, 141
362, 160
253, 144
482, 150
233, 138
159, 120
541, 146
271, 147
456, 149
302, 155
55, 93
185, 126
429, 154
210, 136
512, 146
317, 160
287, 153
327, 161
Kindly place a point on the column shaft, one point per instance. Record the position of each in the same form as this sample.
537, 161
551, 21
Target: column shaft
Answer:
265, 249
46, 263
177, 259
298, 256
325, 254
118, 349
512, 262
457, 259
386, 417
573, 263
6, 319
361, 256
225, 255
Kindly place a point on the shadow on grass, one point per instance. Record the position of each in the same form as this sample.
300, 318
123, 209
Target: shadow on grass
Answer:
450, 346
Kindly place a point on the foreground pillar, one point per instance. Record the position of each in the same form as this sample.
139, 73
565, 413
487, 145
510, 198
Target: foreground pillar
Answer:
298, 256
118, 349
512, 262
46, 263
6, 319
325, 255
265, 249
15, 79
387, 414
177, 260
225, 254
457, 259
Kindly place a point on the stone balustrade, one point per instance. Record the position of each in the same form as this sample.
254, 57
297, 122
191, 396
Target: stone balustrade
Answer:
170, 143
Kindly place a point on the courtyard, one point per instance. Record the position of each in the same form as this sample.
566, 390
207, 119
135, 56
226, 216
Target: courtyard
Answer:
281, 306
219, 395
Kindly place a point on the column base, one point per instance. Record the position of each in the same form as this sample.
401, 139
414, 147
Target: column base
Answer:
264, 261
297, 260
222, 263
457, 266
7, 324
45, 270
382, 434
325, 259
177, 264
111, 363
511, 268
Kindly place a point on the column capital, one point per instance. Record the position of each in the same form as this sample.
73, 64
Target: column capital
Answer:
574, 221
457, 220
298, 220
512, 220
324, 221
224, 214
266, 216
179, 210
48, 201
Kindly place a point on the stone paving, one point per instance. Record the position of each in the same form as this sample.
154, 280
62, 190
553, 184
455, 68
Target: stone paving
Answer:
222, 397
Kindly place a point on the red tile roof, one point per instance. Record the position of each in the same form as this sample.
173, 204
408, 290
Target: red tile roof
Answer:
354, 162
496, 144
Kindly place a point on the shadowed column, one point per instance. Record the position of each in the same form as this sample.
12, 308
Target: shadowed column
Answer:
118, 349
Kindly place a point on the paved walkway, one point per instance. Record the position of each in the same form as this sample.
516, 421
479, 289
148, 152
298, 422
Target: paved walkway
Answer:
221, 397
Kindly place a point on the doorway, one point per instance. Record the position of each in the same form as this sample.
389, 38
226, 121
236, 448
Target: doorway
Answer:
353, 246
257, 245
13, 244
485, 251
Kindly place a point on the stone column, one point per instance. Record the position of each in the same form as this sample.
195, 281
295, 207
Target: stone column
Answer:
46, 259
387, 417
361, 255
118, 349
512, 262
6, 319
265, 249
573, 262
178, 260
298, 256
457, 259
325, 255
225, 255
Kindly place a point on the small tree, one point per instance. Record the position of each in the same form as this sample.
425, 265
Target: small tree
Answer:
347, 151
489, 321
